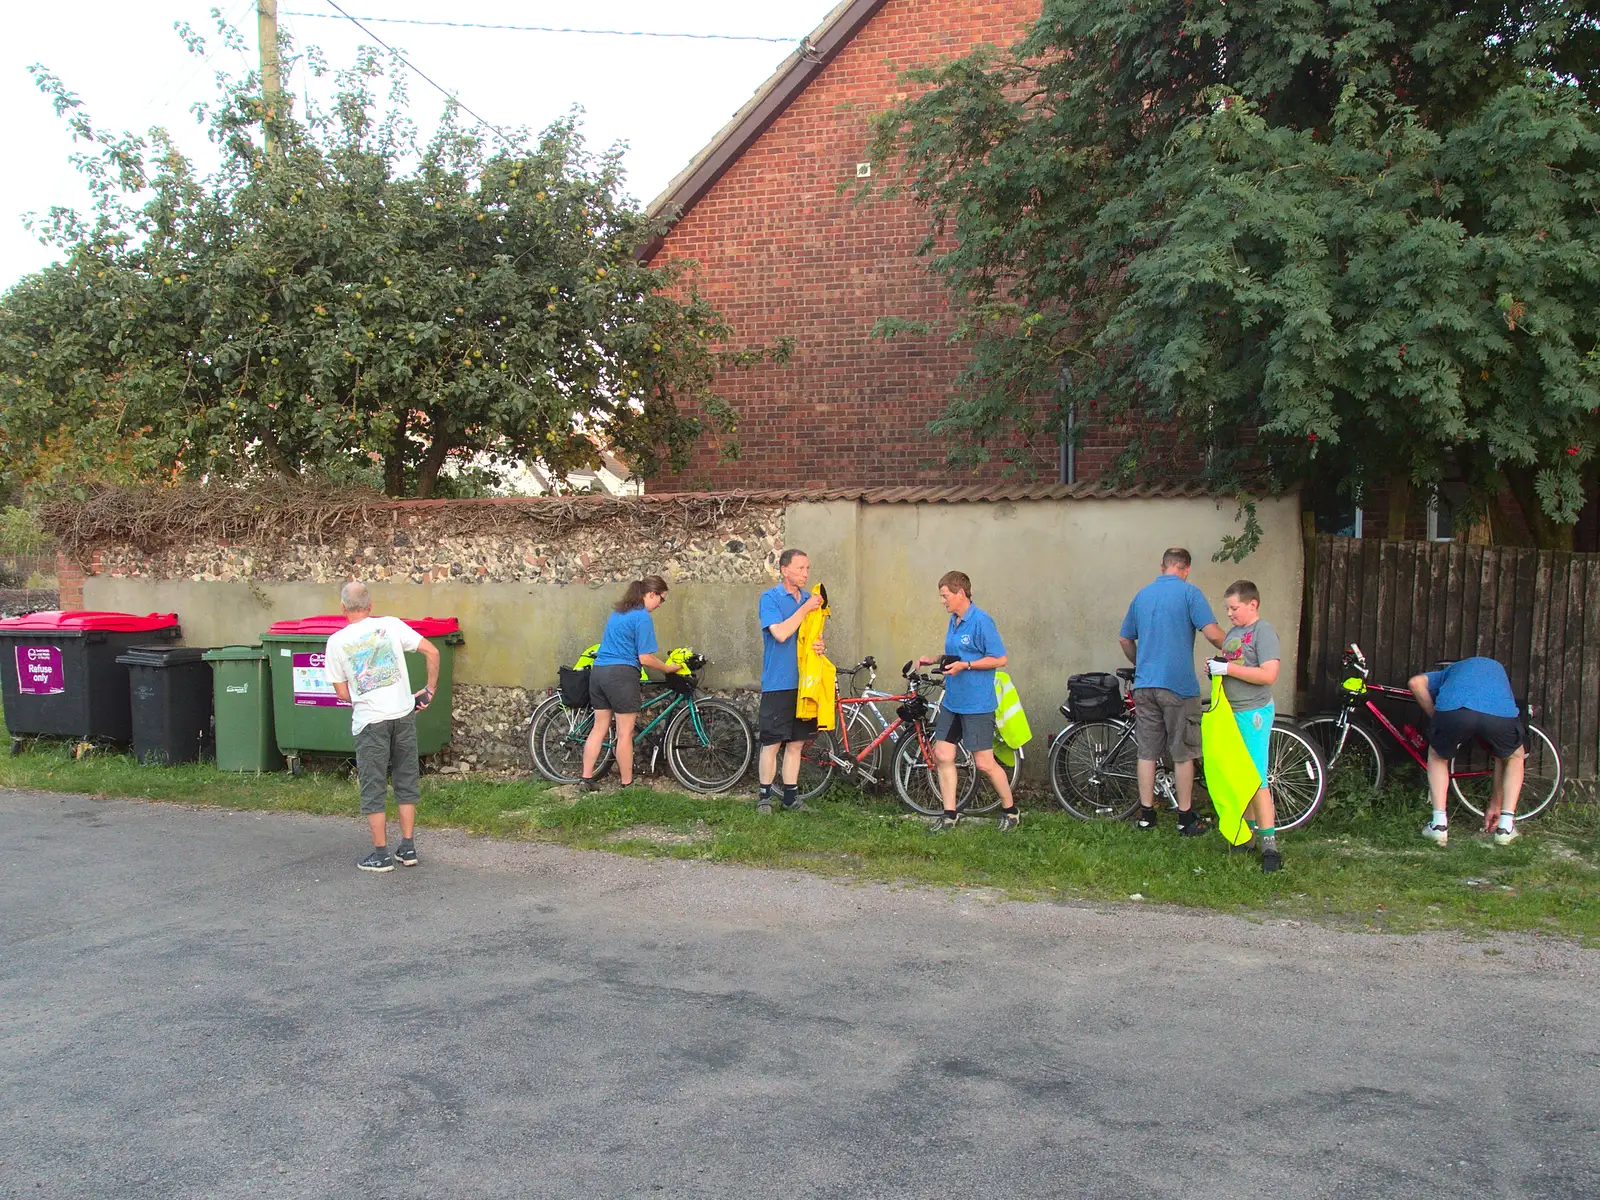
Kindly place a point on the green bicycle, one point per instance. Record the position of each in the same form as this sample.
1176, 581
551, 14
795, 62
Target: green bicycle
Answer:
707, 741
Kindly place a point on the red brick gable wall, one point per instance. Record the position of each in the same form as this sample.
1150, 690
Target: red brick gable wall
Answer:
782, 252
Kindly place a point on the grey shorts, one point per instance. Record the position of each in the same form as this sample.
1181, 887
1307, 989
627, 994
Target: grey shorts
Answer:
1166, 723
614, 688
388, 749
975, 731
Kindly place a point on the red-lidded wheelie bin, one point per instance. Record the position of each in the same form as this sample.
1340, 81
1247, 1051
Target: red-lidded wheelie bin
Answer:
59, 675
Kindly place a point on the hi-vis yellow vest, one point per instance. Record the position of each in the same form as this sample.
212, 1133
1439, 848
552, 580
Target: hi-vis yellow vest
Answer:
818, 679
1011, 729
586, 659
1231, 775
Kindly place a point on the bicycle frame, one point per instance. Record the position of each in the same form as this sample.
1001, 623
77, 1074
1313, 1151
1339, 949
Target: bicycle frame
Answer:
674, 701
1407, 736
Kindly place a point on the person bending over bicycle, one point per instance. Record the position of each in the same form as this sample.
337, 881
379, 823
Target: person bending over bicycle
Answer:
1249, 667
629, 643
973, 652
1465, 700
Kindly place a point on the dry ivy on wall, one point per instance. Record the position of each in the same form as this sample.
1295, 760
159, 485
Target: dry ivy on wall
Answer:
289, 512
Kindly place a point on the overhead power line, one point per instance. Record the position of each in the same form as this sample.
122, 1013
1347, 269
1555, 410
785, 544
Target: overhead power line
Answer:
650, 33
421, 74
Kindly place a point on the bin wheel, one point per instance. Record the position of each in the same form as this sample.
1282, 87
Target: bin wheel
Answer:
294, 765
16, 747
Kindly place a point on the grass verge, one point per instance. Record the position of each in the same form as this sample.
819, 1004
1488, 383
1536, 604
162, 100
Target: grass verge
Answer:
1359, 864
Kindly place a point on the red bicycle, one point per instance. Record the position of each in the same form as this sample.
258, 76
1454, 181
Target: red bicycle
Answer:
854, 747
1350, 745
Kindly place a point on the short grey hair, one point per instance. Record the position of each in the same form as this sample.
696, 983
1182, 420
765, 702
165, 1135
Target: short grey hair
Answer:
354, 597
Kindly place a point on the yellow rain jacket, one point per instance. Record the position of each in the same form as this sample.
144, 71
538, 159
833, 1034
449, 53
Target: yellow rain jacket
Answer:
1011, 729
818, 679
1231, 776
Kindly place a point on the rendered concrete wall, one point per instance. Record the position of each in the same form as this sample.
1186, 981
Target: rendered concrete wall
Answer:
1056, 575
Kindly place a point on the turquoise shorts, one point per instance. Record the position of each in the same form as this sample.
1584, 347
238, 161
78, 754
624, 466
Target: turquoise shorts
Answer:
1256, 726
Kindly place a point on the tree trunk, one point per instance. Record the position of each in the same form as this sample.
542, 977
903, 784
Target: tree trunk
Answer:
394, 463
428, 470
1547, 534
1399, 507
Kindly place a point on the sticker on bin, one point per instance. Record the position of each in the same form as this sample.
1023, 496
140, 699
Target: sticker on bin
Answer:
311, 686
39, 671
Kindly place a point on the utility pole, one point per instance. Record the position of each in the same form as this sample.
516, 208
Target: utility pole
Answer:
271, 85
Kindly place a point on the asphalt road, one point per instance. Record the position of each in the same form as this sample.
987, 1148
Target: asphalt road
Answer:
197, 1003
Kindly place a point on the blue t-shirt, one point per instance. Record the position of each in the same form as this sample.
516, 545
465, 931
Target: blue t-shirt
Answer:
780, 661
970, 638
628, 635
1163, 619
1480, 684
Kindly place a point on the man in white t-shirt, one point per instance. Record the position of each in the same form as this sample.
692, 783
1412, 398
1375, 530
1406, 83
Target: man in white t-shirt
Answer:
366, 663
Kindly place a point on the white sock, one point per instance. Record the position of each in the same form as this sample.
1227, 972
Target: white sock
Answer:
1440, 821
1507, 821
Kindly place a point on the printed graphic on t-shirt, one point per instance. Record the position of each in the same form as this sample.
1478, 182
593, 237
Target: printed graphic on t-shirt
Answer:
1233, 648
373, 664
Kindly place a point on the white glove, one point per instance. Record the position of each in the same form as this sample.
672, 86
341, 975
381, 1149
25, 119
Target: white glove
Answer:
1217, 666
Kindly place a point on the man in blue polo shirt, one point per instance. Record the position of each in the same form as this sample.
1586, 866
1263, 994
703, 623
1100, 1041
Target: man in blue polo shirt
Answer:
1158, 638
973, 652
782, 608
1472, 699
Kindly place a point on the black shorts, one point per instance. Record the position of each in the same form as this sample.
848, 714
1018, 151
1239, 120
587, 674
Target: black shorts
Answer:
778, 722
1453, 727
615, 689
975, 731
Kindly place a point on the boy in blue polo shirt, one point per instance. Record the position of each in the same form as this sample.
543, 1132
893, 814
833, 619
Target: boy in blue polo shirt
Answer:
1472, 699
973, 652
781, 610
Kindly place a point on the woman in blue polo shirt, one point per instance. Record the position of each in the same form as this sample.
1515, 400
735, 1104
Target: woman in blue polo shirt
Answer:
628, 644
973, 652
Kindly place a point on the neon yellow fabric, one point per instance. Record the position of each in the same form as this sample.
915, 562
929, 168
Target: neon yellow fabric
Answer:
586, 659
1011, 728
819, 682
1231, 775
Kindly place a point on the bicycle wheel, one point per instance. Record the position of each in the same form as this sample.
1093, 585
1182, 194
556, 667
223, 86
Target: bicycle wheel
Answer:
1094, 770
916, 779
1352, 754
1295, 773
986, 799
709, 746
819, 769
550, 701
557, 738
1542, 775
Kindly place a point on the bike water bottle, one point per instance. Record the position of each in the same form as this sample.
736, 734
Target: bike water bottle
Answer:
1418, 742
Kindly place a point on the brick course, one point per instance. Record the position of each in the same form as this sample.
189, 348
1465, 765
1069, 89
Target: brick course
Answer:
784, 250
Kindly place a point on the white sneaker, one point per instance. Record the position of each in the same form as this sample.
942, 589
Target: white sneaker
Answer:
1437, 834
1504, 837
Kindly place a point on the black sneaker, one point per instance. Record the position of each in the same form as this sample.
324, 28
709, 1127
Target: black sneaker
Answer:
1271, 861
797, 806
1007, 821
1192, 828
764, 806
585, 786
378, 860
945, 823
1147, 817
406, 854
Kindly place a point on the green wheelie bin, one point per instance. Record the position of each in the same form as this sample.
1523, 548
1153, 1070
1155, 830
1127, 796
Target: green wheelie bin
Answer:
309, 716
241, 683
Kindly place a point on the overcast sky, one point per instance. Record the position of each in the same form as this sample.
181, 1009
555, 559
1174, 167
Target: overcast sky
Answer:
666, 97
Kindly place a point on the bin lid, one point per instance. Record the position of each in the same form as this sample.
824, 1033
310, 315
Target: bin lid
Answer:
235, 654
161, 656
324, 626
83, 622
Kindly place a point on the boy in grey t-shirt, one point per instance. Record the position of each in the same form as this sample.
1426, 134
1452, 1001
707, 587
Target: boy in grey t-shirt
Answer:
1249, 667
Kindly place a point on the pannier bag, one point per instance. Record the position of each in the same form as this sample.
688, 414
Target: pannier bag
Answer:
1093, 696
575, 687
914, 709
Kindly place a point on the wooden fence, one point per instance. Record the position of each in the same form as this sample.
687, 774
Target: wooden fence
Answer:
1409, 604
